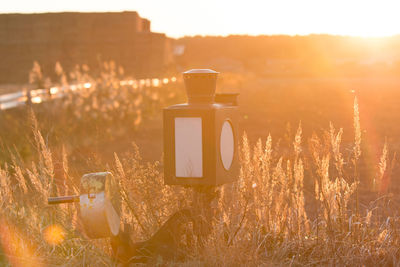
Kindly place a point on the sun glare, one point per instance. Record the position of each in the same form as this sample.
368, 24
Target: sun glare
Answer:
350, 18
253, 17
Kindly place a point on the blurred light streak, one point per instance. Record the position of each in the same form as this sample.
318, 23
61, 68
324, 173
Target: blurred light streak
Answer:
55, 90
13, 100
148, 82
156, 82
36, 100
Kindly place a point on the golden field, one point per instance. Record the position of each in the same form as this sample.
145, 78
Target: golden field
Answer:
317, 186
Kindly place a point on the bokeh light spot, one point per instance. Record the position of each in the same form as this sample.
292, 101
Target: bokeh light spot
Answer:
54, 234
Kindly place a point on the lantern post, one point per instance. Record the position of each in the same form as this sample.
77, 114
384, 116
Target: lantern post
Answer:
200, 143
200, 136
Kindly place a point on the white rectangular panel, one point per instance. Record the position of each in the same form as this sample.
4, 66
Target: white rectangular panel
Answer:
188, 147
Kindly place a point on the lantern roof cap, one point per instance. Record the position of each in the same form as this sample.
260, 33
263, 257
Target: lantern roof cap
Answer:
203, 71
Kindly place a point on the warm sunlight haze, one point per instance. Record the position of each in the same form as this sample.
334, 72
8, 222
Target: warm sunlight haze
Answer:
253, 17
199, 133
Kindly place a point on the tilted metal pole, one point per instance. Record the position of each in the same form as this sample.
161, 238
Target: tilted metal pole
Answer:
64, 199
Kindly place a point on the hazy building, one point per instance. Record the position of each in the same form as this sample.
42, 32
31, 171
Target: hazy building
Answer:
77, 38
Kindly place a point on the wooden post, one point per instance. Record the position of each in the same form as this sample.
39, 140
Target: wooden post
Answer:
202, 211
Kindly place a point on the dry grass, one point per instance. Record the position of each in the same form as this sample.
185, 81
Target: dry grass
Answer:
86, 118
268, 217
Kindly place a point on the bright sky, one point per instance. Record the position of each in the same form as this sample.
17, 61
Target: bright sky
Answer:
177, 18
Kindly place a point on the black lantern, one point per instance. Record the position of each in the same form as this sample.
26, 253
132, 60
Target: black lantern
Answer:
200, 137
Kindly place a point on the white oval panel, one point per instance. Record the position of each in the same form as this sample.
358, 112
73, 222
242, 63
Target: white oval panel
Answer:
227, 145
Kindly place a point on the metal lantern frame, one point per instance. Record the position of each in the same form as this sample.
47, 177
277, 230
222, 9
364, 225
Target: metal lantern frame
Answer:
213, 110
